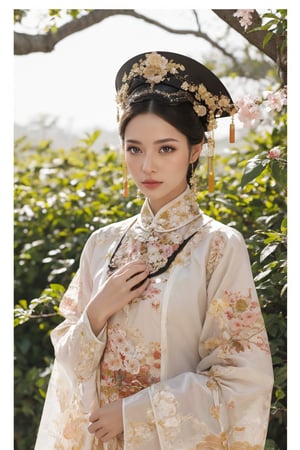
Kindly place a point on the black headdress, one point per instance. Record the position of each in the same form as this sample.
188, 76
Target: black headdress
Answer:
177, 78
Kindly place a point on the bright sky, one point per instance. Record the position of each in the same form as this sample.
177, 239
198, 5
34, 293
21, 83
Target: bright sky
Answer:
75, 82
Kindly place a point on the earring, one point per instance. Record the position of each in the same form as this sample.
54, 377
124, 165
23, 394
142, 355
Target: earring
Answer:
210, 162
193, 180
125, 179
232, 131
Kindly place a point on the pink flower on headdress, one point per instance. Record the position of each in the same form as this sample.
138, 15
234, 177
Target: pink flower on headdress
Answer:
244, 16
276, 100
275, 153
249, 111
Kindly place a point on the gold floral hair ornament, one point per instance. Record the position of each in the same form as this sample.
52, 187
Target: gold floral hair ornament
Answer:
177, 78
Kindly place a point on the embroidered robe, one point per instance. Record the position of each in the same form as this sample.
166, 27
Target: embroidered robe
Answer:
190, 358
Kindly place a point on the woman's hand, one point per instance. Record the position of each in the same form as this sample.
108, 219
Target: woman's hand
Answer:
117, 291
107, 422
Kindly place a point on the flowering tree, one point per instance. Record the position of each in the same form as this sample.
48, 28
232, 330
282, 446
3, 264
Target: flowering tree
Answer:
270, 107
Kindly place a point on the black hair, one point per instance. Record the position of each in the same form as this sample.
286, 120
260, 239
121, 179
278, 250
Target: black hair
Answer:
180, 115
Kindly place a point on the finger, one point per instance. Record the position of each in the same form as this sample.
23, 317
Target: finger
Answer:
94, 427
140, 286
107, 437
135, 274
136, 280
94, 415
132, 267
103, 435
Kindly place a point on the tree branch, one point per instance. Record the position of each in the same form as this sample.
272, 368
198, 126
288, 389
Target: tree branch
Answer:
28, 43
197, 33
255, 38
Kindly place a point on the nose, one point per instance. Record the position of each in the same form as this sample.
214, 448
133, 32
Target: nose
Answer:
149, 164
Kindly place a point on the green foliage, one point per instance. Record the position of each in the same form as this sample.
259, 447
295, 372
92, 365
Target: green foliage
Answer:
275, 23
61, 196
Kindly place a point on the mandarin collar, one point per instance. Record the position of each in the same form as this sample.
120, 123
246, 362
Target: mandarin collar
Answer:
175, 214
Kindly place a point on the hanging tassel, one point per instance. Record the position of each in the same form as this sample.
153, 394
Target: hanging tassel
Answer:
232, 131
125, 179
211, 175
193, 181
210, 162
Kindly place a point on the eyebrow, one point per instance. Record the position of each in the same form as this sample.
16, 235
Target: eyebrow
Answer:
158, 141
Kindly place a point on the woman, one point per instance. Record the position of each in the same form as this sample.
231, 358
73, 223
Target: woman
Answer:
163, 345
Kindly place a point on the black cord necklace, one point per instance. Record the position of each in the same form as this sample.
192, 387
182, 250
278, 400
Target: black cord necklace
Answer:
159, 271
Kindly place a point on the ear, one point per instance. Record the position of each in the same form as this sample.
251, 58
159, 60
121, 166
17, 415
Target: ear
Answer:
195, 152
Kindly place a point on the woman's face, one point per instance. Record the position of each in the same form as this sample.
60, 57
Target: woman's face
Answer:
158, 156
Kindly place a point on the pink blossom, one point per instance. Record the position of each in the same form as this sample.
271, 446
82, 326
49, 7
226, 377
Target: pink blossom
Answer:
275, 153
249, 319
244, 17
112, 361
249, 111
167, 250
236, 326
132, 365
276, 100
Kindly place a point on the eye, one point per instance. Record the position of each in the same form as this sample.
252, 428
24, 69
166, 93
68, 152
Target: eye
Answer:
133, 150
167, 149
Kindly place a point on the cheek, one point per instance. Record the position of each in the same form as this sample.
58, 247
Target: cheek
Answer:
132, 164
180, 164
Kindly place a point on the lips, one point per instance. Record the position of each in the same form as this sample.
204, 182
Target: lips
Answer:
151, 183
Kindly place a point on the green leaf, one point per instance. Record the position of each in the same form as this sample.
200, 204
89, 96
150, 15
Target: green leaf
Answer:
267, 251
270, 445
283, 226
253, 169
279, 172
23, 303
267, 38
262, 275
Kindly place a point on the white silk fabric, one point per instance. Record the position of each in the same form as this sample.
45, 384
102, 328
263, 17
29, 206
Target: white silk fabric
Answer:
190, 358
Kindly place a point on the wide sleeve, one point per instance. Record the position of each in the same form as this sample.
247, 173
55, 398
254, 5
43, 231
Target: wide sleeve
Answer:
72, 390
225, 402
76, 347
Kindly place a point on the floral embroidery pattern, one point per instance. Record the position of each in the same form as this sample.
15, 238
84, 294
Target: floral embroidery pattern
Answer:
165, 405
240, 322
71, 428
153, 293
126, 367
215, 254
139, 433
68, 304
155, 252
86, 354
220, 442
154, 239
179, 212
